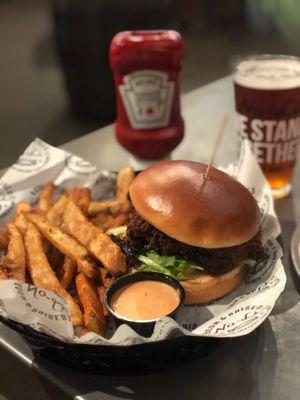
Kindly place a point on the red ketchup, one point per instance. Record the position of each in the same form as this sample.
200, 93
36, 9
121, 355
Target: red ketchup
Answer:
146, 66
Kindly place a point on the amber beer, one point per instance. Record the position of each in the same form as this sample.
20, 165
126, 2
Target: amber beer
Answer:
267, 96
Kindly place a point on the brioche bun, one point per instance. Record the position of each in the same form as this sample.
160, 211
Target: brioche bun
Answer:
206, 288
212, 213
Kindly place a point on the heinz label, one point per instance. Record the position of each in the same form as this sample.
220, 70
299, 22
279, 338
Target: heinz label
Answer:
147, 96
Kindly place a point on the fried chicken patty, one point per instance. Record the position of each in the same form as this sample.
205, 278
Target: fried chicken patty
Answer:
213, 261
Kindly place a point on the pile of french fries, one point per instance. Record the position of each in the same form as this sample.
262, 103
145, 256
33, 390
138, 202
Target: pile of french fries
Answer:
62, 244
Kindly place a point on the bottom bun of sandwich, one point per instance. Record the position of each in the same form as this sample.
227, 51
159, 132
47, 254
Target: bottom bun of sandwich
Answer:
205, 288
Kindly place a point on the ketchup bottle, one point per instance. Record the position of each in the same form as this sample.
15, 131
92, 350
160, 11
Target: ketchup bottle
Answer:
146, 66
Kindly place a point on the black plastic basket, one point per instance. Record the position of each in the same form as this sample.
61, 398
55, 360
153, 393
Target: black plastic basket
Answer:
113, 359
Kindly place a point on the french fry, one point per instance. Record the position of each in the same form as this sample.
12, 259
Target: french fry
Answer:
16, 251
19, 219
108, 207
106, 221
101, 293
66, 244
113, 222
113, 207
83, 331
42, 273
54, 215
4, 232
100, 221
66, 272
9, 268
105, 277
2, 275
3, 238
92, 309
99, 244
124, 179
47, 245
46, 198
81, 197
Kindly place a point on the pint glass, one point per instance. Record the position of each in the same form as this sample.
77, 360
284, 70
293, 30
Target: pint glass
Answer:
267, 98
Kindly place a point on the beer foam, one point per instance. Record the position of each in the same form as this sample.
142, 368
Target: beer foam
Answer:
269, 73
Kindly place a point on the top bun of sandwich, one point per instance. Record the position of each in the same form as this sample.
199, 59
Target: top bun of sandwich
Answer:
212, 213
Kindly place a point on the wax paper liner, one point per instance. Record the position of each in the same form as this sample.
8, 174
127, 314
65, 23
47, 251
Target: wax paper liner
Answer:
236, 314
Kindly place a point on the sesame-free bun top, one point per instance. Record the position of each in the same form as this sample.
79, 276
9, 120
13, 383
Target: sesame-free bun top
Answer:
213, 213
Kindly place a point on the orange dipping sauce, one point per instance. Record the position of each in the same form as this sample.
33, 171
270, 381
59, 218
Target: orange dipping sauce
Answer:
145, 300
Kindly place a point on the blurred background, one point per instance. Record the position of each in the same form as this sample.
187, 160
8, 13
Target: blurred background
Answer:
55, 80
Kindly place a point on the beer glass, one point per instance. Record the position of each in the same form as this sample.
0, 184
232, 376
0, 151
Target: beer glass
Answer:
267, 98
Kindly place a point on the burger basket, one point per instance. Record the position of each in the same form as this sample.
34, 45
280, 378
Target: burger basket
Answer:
167, 349
113, 359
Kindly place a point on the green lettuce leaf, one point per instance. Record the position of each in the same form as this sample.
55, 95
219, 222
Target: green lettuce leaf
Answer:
173, 266
250, 262
119, 231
